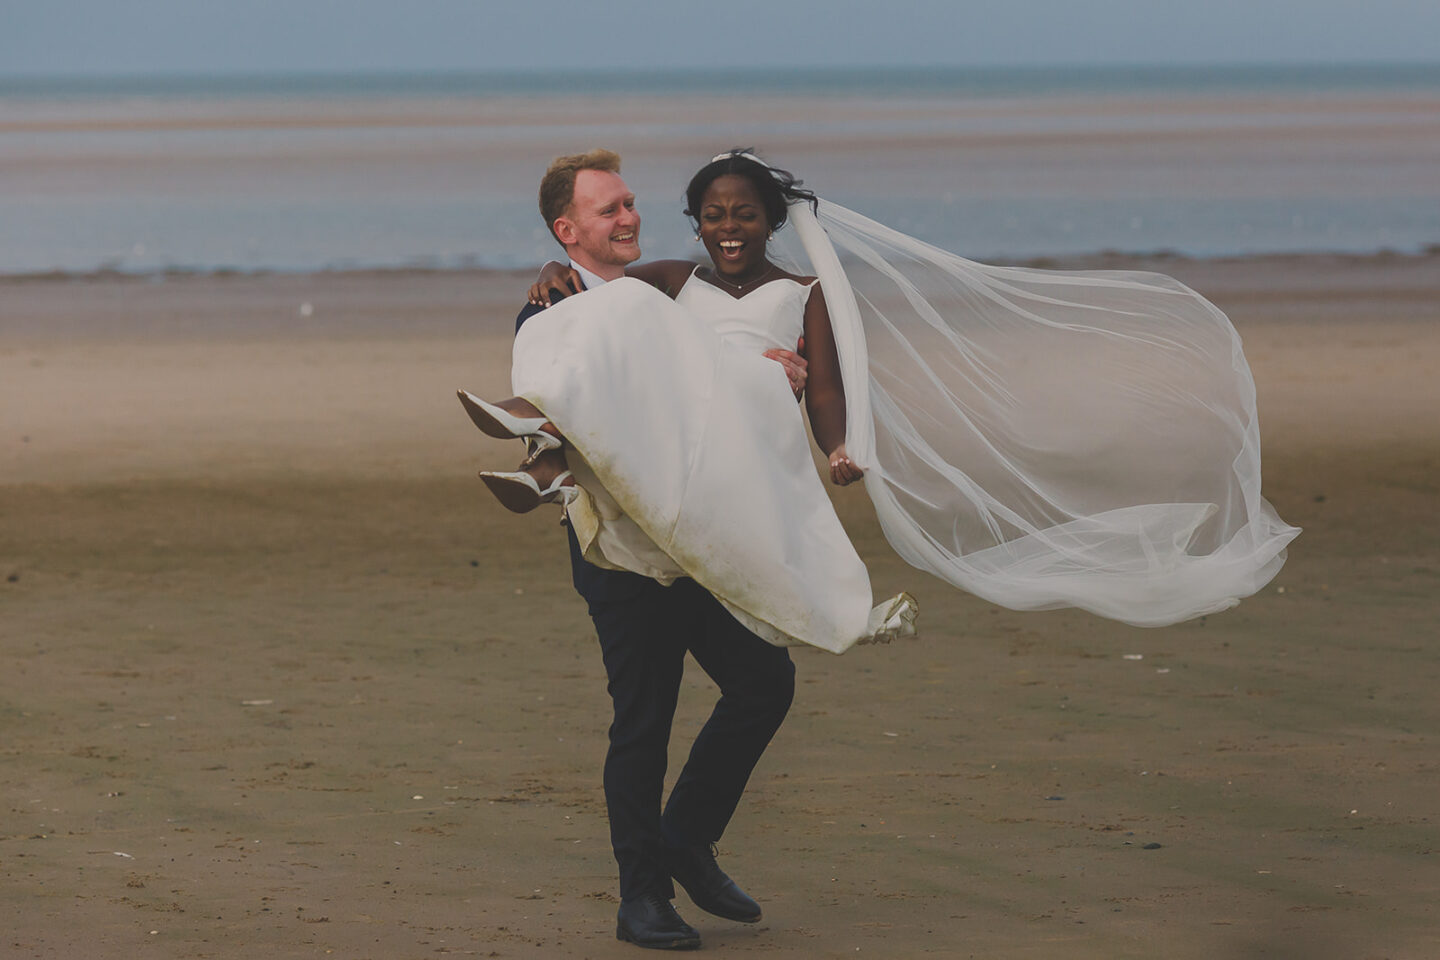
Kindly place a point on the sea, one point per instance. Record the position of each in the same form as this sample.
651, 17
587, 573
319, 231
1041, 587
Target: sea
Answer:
165, 175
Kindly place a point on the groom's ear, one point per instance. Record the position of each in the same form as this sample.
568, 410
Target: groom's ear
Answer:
565, 231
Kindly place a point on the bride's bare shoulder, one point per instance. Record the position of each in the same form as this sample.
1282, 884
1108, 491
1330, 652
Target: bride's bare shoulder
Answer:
667, 276
801, 279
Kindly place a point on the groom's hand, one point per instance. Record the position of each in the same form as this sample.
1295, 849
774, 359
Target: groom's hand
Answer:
795, 367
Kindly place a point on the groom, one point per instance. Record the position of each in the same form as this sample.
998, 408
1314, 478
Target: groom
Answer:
645, 630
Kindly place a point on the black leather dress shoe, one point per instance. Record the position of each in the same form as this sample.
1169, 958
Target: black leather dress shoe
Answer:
695, 869
650, 920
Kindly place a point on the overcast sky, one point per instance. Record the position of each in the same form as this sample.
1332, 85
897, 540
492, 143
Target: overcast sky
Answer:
68, 37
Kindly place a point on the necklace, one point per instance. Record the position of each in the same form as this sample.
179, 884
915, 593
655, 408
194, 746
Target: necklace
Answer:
743, 283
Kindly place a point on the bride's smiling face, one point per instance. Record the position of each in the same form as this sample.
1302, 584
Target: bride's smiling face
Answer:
733, 227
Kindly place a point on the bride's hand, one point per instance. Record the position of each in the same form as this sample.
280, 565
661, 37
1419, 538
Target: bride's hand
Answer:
795, 367
843, 470
554, 276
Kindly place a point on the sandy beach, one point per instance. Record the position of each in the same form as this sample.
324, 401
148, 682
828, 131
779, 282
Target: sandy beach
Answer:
277, 678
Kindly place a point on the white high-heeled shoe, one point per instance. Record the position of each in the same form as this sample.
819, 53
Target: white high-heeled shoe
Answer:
519, 492
495, 421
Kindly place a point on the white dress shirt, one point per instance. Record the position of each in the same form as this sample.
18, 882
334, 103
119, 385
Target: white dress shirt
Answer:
591, 280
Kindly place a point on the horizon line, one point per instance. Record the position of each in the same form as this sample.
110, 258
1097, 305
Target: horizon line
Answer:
529, 71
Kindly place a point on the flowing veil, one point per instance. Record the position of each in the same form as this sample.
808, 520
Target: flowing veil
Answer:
1045, 438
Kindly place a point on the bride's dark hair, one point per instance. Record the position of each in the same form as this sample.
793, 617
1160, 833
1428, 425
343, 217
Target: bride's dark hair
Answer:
777, 188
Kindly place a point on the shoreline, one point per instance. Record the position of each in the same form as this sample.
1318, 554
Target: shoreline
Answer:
440, 184
1361, 75
1107, 259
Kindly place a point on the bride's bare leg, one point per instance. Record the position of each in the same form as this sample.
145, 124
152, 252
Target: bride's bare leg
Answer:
519, 406
548, 465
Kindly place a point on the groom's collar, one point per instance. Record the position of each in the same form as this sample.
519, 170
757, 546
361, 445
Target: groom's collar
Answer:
591, 280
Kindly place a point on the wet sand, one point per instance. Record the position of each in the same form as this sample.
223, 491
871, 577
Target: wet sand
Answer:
277, 678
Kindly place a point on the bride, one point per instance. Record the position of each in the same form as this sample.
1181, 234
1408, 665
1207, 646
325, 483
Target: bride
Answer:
1039, 438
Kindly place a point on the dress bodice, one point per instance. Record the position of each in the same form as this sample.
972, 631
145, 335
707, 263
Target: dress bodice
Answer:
771, 315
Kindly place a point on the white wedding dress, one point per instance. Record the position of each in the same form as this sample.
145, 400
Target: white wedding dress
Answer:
1039, 438
692, 456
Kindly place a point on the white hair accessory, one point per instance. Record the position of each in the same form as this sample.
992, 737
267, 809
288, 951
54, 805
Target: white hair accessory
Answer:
748, 156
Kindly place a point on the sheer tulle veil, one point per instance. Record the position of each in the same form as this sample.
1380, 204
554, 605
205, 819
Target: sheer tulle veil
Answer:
1046, 438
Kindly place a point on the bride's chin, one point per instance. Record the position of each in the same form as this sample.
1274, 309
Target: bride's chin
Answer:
734, 269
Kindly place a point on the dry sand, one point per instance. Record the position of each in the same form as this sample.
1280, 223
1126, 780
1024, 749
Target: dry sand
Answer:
277, 678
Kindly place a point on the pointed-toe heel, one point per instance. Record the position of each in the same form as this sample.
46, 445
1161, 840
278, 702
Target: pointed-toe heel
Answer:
519, 492
495, 421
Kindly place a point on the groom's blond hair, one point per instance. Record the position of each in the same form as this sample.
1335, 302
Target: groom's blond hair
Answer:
557, 187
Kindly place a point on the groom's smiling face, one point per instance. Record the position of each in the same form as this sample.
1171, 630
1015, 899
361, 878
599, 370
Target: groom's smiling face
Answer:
601, 220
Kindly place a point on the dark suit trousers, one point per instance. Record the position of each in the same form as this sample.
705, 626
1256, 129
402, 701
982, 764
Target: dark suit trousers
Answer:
645, 631
644, 640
